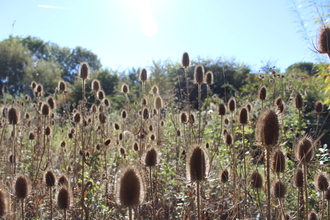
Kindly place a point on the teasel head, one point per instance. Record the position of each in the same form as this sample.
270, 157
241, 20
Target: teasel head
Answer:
107, 142
279, 189
144, 102
64, 197
318, 108
122, 152
48, 130
248, 106
83, 70
39, 89
232, 104
51, 102
243, 116
298, 101
13, 116
191, 119
158, 102
323, 43
262, 93
106, 102
145, 114
321, 182
116, 126
185, 60
129, 187
136, 146
63, 180
280, 105
77, 119
125, 88
312, 215
34, 85
209, 77
32, 136
197, 164
3, 203
50, 178
183, 117
199, 74
61, 87
95, 85
143, 75
45, 109
102, 118
256, 180
123, 114
150, 158
228, 139
154, 90
224, 176
22, 187
267, 128
222, 109
304, 149
100, 95
278, 161
298, 178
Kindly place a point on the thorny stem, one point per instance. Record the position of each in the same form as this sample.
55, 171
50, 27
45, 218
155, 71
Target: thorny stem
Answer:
305, 188
268, 184
198, 205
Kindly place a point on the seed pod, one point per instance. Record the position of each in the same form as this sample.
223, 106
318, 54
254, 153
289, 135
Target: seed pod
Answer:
151, 157
31, 136
61, 86
262, 93
106, 102
64, 198
63, 181
125, 88
51, 102
45, 109
256, 180
34, 85
197, 164
100, 95
22, 187
48, 130
304, 150
154, 90
222, 109
83, 70
323, 44
39, 89
267, 128
183, 117
185, 60
124, 114
158, 102
143, 75
298, 101
145, 114
279, 189
199, 74
136, 146
209, 78
321, 182
50, 178
232, 104
95, 85
249, 107
13, 116
122, 152
243, 116
116, 126
278, 161
191, 119
318, 107
298, 178
224, 176
144, 102
102, 118
77, 118
228, 139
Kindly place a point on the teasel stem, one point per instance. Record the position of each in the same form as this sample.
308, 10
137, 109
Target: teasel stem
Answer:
282, 209
22, 207
130, 213
152, 195
64, 214
299, 122
187, 88
200, 112
305, 188
268, 183
198, 202
322, 210
259, 204
298, 203
244, 167
51, 202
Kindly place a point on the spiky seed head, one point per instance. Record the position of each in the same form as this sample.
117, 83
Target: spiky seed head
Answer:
51, 102
151, 128
256, 180
32, 136
327, 194
143, 75
298, 101
224, 176
278, 101
107, 142
34, 85
278, 161
318, 108
125, 88
102, 118
232, 104
83, 70
209, 77
321, 182
298, 178
228, 139
136, 146
191, 119
48, 130
304, 150
262, 93
124, 114
323, 44
22, 187
267, 129
13, 116
144, 102
199, 74
63, 181
116, 126
95, 85
122, 152
185, 60
50, 178
77, 118
39, 88
61, 86
100, 95
64, 198
151, 157
162, 123
279, 189
226, 121
129, 188
145, 114
243, 116
3, 203
249, 107
183, 117
312, 215
5, 112
106, 102
158, 102
197, 164
154, 90
45, 109
222, 109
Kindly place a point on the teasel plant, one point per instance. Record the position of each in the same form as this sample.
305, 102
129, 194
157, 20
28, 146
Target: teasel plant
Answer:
197, 166
22, 191
185, 64
199, 79
50, 180
14, 119
262, 95
267, 135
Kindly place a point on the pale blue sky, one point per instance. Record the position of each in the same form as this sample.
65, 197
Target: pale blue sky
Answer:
126, 33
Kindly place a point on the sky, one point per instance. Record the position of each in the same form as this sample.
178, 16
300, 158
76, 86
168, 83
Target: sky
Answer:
133, 33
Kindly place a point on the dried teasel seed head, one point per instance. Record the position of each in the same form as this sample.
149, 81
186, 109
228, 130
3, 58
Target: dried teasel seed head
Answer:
298, 101
116, 126
256, 180
83, 70
199, 74
151, 128
318, 108
321, 182
249, 107
197, 164
228, 139
22, 187
77, 118
158, 102
63, 143
5, 112
122, 152
61, 86
298, 178
51, 102
222, 109
304, 149
243, 116
144, 102
191, 119
323, 44
154, 90
32, 136
262, 93
143, 75
45, 109
226, 121
312, 215
278, 161
136, 146
185, 60
100, 95
50, 178
124, 114
106, 102
129, 188
267, 128
183, 117
95, 85
232, 104
125, 88
107, 142
33, 85
63, 181
209, 77
13, 116
145, 114
102, 118
39, 88
64, 198
224, 176
151, 157
48, 130
279, 189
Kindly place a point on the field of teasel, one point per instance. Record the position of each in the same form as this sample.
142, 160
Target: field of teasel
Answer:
253, 156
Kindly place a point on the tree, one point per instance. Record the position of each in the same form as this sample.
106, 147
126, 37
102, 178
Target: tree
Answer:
302, 67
